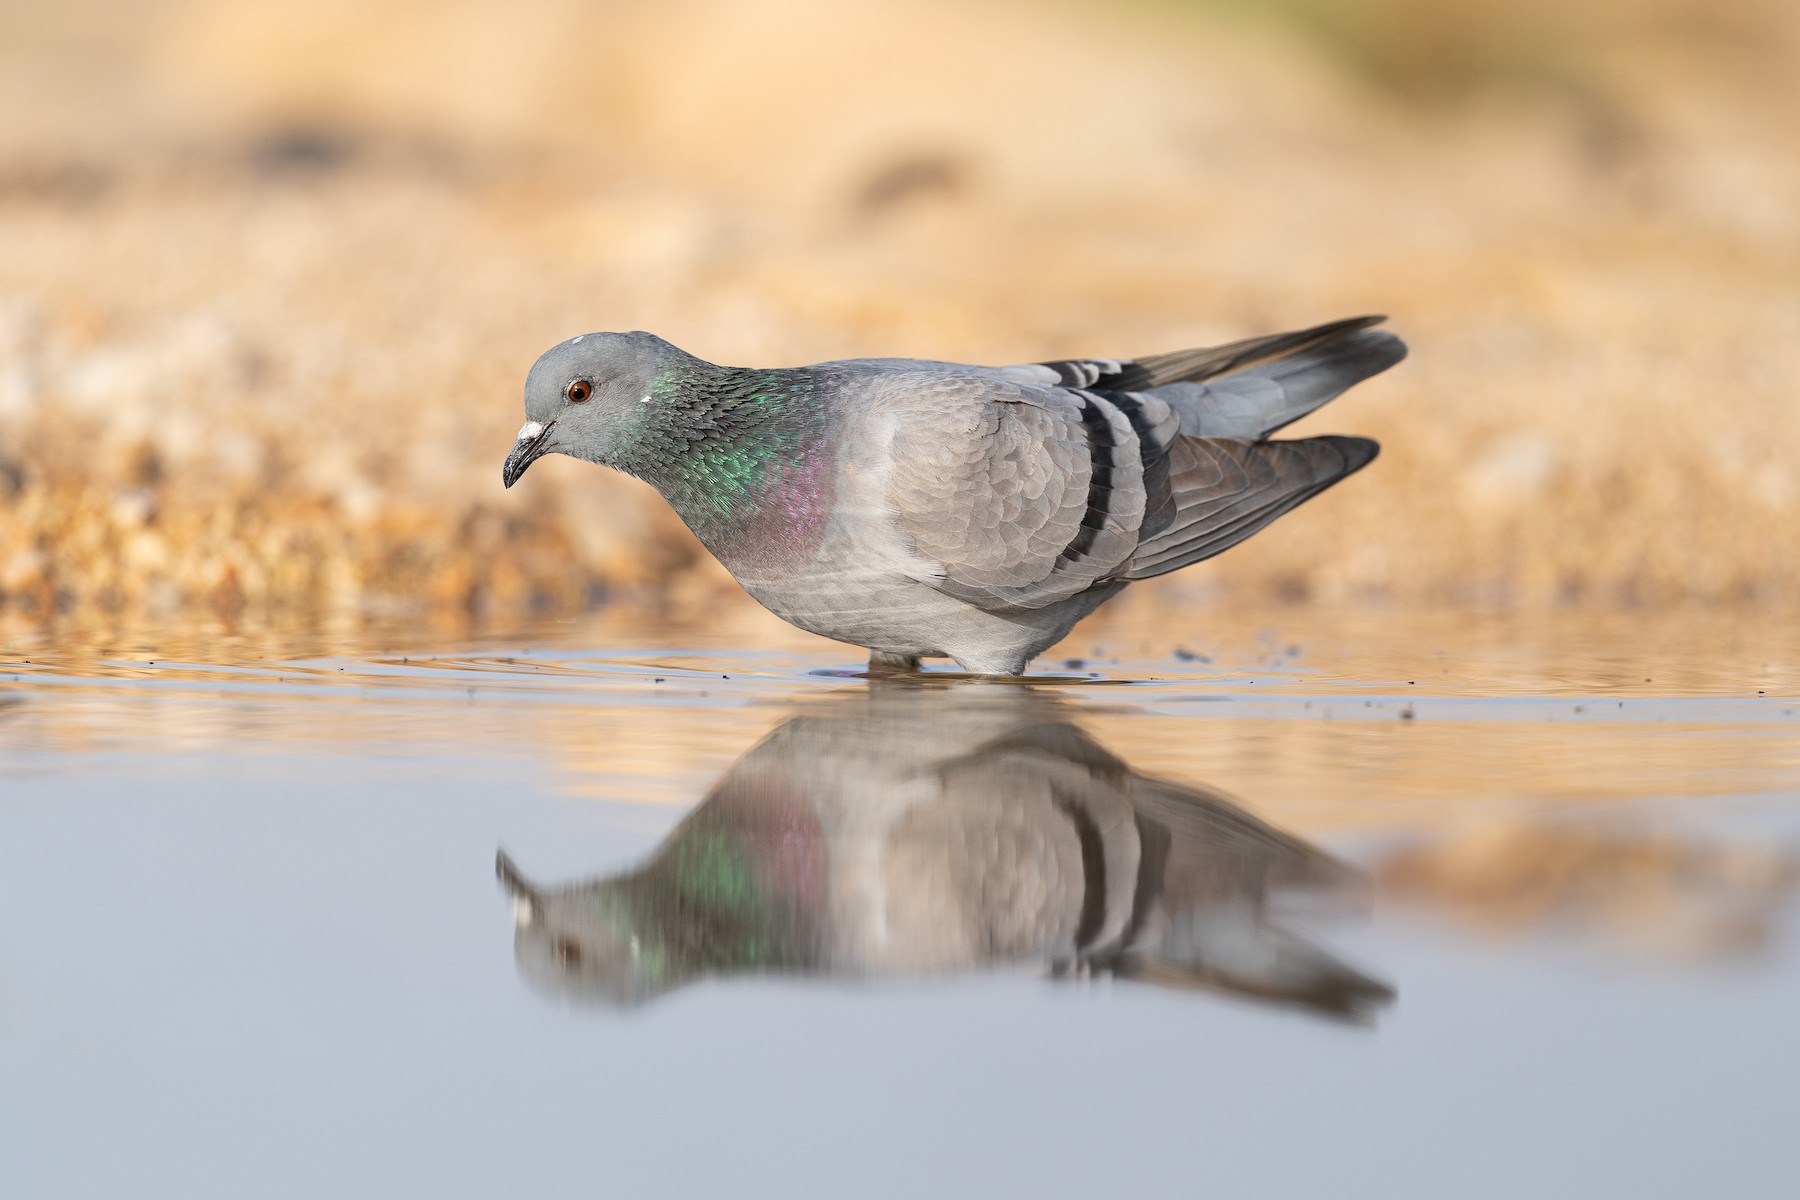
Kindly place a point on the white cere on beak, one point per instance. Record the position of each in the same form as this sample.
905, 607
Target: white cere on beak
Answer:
529, 430
521, 911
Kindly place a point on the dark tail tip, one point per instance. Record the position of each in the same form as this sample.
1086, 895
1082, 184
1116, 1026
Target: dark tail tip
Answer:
1358, 452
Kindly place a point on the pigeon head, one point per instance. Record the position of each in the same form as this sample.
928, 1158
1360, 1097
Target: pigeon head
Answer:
582, 944
586, 395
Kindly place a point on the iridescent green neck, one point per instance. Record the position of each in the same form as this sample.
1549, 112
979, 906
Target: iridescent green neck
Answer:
731, 449
709, 436
706, 905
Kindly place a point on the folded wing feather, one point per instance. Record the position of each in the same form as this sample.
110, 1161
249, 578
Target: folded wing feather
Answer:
1035, 483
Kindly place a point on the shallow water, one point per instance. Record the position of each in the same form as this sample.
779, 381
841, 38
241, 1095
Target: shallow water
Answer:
1312, 903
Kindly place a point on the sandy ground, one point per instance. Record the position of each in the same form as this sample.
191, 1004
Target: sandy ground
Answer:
271, 274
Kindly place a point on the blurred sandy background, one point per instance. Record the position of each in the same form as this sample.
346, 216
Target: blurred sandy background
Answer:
271, 273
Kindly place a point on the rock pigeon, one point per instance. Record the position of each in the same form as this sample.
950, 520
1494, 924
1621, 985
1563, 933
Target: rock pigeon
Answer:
929, 509
916, 830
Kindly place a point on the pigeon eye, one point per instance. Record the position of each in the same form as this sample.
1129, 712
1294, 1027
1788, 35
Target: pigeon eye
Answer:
578, 390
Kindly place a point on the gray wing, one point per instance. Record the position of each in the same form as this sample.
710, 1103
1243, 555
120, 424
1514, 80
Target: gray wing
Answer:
1217, 875
1031, 484
1061, 843
1023, 496
1226, 489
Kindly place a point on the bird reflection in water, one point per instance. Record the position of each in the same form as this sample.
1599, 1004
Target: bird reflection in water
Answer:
912, 830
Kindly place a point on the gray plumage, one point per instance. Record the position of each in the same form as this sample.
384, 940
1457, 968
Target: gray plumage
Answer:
912, 831
926, 509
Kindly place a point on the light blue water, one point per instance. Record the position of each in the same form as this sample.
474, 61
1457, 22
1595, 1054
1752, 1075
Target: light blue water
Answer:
252, 944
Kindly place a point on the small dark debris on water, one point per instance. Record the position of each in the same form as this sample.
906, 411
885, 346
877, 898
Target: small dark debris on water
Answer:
1407, 714
659, 679
1185, 655
1293, 652
1580, 708
1074, 664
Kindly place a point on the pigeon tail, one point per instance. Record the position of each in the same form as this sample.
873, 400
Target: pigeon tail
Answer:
1233, 948
1257, 400
1226, 489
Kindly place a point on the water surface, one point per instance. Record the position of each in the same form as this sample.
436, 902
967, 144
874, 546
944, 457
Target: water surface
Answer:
1319, 903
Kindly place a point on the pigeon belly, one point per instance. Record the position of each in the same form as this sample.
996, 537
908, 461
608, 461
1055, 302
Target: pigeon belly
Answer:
887, 611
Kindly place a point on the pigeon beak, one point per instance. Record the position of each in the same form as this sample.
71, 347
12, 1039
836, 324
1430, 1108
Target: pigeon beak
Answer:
528, 902
529, 449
